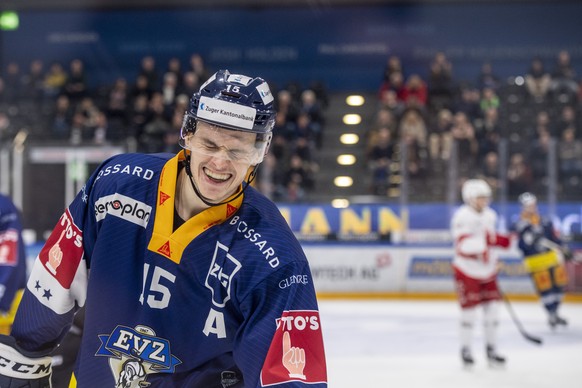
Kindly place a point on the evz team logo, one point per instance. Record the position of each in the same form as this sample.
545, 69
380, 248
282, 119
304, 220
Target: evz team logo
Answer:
123, 207
223, 268
135, 353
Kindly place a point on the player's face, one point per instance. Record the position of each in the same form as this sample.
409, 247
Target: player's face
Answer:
480, 203
220, 159
530, 208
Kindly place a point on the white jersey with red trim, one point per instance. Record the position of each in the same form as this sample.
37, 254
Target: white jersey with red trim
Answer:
225, 300
473, 233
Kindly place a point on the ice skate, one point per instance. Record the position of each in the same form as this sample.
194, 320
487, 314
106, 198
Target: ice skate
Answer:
555, 320
467, 358
495, 360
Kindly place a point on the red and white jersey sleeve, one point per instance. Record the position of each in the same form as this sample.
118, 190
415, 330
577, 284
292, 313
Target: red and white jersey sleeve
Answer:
473, 233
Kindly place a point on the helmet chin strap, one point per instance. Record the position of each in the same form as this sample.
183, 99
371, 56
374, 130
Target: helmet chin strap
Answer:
186, 163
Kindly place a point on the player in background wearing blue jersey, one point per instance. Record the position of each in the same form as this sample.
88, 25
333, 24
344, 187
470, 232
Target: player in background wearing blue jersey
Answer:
189, 277
543, 257
12, 262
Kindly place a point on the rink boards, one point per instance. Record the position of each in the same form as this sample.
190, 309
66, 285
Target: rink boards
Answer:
383, 270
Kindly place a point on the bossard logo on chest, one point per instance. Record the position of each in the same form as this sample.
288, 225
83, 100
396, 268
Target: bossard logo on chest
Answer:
135, 353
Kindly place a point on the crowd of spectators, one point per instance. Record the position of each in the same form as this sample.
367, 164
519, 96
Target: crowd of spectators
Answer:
420, 121
419, 124
58, 103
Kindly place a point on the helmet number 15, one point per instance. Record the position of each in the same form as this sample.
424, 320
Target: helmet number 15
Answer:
158, 295
233, 88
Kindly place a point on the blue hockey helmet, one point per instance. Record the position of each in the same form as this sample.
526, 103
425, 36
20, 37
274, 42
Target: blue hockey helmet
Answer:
527, 199
233, 101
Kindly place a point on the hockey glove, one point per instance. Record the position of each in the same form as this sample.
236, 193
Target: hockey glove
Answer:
21, 368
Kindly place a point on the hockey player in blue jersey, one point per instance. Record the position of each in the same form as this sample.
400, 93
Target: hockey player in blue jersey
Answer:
543, 256
12, 262
189, 276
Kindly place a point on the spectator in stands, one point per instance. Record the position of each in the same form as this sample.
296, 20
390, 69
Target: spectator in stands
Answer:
379, 161
386, 118
538, 80
78, 129
412, 124
198, 67
570, 155
389, 101
175, 67
138, 117
169, 88
6, 129
488, 132
396, 84
287, 113
440, 82
140, 87
568, 119
33, 81
489, 170
393, 65
13, 82
487, 78
489, 100
61, 120
118, 103
305, 128
76, 86
416, 156
415, 93
440, 136
297, 177
564, 75
190, 83
463, 134
538, 157
101, 131
265, 181
54, 80
310, 106
543, 123
321, 93
90, 112
156, 127
149, 71
469, 103
519, 175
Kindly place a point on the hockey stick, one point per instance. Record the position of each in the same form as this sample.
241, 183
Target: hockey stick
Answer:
526, 335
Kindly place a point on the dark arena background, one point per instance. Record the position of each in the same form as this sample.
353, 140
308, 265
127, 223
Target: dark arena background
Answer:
386, 108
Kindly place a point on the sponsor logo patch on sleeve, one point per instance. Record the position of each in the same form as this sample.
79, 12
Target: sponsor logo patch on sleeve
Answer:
296, 353
9, 247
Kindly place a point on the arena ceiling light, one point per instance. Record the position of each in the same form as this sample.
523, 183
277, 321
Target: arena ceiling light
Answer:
352, 119
343, 181
349, 138
355, 100
346, 159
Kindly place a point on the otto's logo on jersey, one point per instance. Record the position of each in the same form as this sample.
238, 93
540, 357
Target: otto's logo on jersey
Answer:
135, 353
127, 208
296, 352
219, 278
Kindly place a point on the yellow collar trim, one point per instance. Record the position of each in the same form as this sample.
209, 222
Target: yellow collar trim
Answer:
169, 243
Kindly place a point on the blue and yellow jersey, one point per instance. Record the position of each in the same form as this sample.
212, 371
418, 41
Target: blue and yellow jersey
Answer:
225, 300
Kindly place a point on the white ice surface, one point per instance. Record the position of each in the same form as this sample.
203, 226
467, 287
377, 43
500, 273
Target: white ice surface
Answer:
415, 344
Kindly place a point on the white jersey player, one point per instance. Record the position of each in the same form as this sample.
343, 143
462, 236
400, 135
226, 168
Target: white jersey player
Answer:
473, 227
